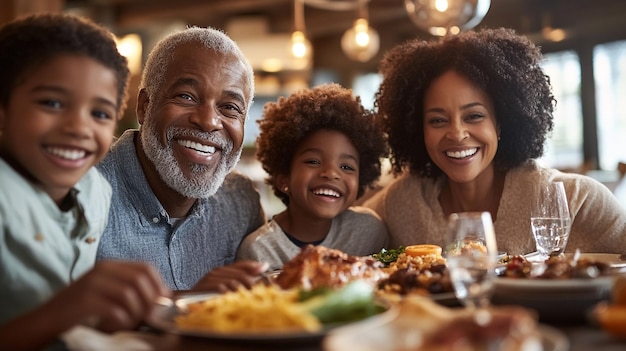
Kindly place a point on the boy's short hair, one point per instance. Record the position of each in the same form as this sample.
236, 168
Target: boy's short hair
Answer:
27, 42
288, 121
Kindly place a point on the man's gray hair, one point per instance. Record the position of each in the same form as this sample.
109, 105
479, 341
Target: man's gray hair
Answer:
162, 54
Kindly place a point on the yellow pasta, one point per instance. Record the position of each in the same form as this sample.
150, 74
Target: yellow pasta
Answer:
260, 309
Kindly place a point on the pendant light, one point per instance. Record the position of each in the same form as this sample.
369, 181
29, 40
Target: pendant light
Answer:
361, 42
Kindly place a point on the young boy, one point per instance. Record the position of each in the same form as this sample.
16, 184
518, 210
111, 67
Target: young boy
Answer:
60, 97
321, 149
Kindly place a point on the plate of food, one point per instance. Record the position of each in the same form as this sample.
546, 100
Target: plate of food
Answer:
398, 339
424, 325
613, 260
417, 270
269, 314
561, 289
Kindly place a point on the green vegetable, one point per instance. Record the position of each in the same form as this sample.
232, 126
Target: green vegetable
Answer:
387, 256
352, 302
304, 295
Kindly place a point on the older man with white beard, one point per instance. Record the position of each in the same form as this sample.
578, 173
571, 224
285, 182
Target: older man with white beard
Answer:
176, 203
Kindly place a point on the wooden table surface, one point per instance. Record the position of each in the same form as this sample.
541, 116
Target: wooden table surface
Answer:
581, 338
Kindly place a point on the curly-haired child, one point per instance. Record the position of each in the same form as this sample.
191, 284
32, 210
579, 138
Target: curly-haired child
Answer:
322, 149
63, 86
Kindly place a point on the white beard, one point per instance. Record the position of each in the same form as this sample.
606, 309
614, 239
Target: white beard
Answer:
202, 183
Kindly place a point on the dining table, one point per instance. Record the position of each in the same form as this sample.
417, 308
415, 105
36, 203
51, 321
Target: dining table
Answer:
562, 309
580, 337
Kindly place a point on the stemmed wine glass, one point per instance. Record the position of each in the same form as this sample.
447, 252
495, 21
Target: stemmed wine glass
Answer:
550, 220
472, 255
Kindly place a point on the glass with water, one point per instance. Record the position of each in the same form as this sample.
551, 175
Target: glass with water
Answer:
471, 257
550, 220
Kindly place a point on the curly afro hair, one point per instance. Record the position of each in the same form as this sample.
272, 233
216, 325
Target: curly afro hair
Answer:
290, 120
31, 41
505, 65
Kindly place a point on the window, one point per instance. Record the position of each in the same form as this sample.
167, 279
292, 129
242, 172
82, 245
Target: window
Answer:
610, 85
564, 146
366, 86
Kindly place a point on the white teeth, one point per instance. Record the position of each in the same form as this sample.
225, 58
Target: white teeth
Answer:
462, 154
197, 146
327, 192
67, 154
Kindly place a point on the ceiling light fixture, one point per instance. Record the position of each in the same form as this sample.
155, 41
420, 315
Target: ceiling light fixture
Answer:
300, 46
129, 46
361, 42
441, 17
550, 33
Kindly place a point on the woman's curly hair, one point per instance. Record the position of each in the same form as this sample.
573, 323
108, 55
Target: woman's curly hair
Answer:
505, 65
30, 41
290, 120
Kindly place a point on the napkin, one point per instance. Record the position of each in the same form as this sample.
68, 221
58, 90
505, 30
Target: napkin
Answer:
82, 338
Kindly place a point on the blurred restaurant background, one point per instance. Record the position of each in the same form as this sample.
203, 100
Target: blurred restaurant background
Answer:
295, 44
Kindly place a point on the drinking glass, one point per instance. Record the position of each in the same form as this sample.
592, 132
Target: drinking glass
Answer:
472, 255
550, 220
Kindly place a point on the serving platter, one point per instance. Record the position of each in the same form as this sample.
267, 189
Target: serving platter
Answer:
163, 318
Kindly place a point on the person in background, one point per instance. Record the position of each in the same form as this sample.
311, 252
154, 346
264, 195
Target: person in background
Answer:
61, 95
467, 117
321, 149
176, 203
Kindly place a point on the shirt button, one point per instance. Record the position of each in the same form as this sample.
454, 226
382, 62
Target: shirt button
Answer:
155, 219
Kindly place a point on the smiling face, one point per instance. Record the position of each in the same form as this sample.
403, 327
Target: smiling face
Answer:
460, 129
59, 122
196, 120
324, 176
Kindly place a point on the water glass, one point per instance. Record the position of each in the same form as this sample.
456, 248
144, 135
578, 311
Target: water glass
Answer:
472, 255
550, 220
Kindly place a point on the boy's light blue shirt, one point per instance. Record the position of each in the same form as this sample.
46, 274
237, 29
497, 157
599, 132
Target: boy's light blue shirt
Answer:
43, 249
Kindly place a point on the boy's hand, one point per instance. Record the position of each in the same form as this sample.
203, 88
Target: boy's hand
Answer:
114, 295
231, 277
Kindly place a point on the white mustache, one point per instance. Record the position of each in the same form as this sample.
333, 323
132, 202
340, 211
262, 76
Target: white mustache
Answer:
224, 143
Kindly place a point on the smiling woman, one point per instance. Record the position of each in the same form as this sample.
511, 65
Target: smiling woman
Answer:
476, 111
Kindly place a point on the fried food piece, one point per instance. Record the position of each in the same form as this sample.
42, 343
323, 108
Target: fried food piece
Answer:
319, 266
422, 250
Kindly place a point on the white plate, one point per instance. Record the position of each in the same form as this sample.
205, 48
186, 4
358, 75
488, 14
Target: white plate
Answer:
391, 338
163, 319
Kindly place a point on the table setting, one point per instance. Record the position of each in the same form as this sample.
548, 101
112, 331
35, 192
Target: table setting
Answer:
464, 296
405, 325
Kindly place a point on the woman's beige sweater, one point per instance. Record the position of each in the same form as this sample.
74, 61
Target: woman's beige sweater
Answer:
410, 208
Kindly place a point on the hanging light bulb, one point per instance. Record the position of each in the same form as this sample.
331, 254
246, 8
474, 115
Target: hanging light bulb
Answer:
441, 17
301, 48
361, 42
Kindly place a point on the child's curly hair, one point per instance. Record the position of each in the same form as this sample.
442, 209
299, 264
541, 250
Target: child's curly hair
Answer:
290, 120
502, 63
30, 41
